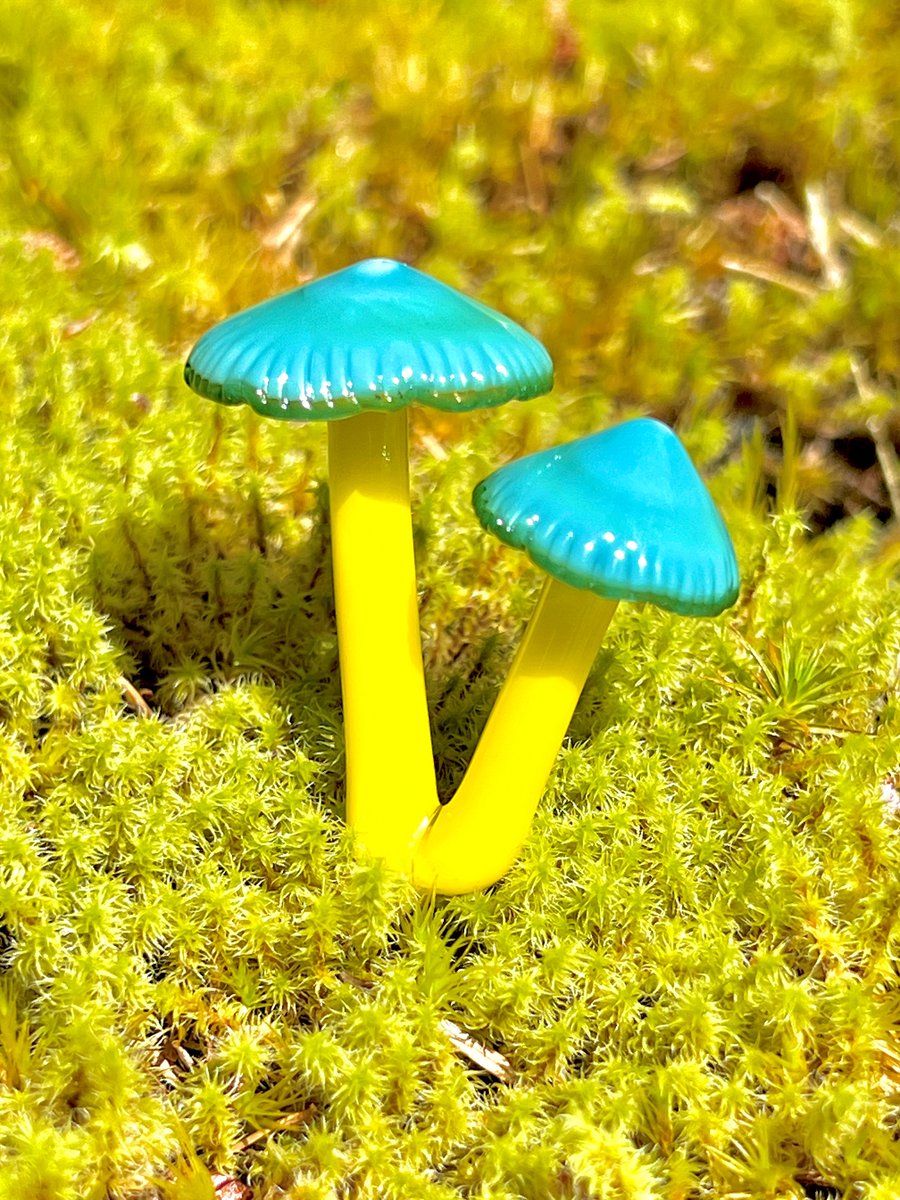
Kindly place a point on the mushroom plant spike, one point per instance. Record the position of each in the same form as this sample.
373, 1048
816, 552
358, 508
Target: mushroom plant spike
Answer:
621, 515
356, 348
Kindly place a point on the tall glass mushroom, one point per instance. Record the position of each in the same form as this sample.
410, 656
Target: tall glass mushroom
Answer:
356, 348
620, 515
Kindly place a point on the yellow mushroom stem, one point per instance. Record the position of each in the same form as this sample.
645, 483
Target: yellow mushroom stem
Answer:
474, 839
391, 789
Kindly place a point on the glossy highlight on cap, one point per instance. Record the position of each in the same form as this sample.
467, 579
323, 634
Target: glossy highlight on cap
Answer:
376, 336
622, 513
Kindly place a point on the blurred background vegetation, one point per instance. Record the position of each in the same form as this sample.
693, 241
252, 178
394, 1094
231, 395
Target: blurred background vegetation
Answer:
693, 205
690, 976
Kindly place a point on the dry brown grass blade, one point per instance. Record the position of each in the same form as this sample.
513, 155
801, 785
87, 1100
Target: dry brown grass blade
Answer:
758, 268
884, 446
133, 698
485, 1058
821, 234
285, 231
74, 328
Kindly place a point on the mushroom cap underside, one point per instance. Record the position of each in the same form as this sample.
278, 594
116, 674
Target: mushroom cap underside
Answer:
376, 336
622, 513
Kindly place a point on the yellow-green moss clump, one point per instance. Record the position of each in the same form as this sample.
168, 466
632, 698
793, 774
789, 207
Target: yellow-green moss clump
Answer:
691, 973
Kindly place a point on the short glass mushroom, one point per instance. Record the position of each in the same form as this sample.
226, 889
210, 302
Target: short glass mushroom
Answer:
356, 348
620, 515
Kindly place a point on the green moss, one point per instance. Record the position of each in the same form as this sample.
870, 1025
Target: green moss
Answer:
691, 971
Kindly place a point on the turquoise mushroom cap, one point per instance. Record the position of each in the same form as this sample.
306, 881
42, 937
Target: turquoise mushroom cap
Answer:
622, 513
378, 335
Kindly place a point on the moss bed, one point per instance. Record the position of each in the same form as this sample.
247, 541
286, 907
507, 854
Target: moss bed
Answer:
687, 987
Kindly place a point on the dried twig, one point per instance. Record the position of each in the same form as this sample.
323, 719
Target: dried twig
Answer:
887, 460
430, 443
821, 235
284, 232
133, 698
183, 1057
166, 1071
884, 446
74, 328
758, 268
857, 227
488, 1060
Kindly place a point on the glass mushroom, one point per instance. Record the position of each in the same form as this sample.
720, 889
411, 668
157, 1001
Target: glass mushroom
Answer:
356, 348
620, 515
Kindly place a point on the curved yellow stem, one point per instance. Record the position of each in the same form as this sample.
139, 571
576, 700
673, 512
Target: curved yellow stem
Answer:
391, 789
472, 841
